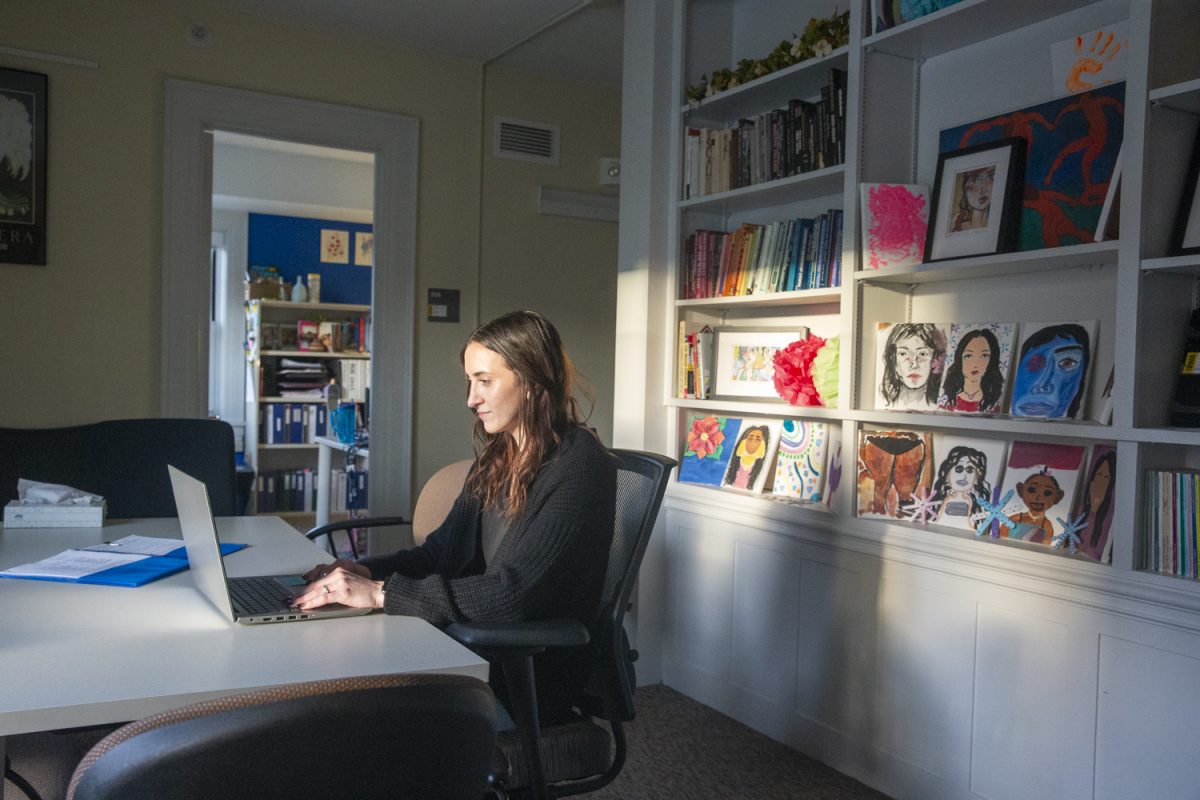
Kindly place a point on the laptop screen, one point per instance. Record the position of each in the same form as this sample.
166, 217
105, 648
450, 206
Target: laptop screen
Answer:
200, 539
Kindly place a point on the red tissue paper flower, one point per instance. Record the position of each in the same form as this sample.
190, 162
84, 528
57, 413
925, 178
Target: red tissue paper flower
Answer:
793, 372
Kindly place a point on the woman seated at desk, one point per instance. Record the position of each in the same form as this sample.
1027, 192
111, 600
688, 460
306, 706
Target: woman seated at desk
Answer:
529, 535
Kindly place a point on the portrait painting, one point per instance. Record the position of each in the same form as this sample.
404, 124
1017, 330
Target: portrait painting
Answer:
908, 367
752, 455
745, 359
968, 471
895, 218
1050, 379
978, 356
1094, 505
976, 200
1070, 147
1042, 477
708, 449
894, 468
800, 460
22, 167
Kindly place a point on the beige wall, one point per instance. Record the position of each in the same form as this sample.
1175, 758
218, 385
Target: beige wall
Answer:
83, 340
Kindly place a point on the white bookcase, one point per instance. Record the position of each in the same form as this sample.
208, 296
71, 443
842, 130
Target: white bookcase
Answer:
923, 660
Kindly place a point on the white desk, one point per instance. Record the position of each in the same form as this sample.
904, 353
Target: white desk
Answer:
73, 655
326, 445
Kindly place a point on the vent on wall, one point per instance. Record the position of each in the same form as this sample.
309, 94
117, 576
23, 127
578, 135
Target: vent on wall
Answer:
525, 141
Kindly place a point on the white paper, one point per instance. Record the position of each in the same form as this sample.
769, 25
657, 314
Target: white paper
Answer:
138, 545
73, 564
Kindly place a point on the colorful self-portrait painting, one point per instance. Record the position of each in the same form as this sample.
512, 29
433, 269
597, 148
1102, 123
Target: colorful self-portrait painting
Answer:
1042, 477
1093, 509
908, 367
978, 356
752, 455
968, 472
1053, 363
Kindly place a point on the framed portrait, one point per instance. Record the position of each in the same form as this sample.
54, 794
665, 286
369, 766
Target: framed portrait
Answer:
1186, 237
976, 205
23, 170
745, 360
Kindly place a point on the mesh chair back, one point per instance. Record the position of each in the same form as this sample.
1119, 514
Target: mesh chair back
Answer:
403, 736
641, 482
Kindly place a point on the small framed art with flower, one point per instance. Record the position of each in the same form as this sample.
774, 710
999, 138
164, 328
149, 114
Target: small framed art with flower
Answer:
745, 359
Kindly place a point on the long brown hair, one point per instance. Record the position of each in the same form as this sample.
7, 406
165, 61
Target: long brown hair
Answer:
532, 349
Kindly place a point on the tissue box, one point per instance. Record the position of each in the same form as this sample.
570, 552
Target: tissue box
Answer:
50, 515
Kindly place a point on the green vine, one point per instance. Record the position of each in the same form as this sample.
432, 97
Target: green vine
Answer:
820, 38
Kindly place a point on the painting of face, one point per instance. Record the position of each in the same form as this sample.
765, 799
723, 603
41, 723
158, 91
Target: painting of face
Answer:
1048, 378
1099, 487
977, 188
914, 359
1039, 492
963, 475
752, 445
976, 356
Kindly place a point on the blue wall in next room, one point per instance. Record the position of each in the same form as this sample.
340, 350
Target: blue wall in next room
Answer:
293, 246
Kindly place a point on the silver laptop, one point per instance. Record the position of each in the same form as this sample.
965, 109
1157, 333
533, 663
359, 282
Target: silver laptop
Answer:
252, 600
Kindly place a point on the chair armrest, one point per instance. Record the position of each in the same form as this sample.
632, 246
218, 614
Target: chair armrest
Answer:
506, 638
350, 524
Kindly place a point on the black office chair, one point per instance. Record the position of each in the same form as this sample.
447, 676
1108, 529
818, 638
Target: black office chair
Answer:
580, 755
125, 461
424, 737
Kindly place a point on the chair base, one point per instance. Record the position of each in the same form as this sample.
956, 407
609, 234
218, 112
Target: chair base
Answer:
581, 751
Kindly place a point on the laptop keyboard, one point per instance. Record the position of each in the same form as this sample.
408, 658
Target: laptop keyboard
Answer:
258, 595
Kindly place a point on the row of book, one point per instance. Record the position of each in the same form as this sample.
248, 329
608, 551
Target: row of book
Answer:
296, 490
1170, 544
694, 373
292, 423
782, 256
801, 137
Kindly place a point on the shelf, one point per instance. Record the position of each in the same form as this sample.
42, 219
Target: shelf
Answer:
313, 354
291, 399
1011, 427
807, 185
262, 446
799, 298
762, 408
1181, 436
1180, 96
799, 81
292, 306
1058, 258
1173, 265
964, 24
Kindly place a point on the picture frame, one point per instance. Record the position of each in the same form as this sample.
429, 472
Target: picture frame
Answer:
23, 98
963, 218
1185, 238
744, 363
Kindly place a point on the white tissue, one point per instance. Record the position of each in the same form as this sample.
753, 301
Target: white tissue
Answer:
35, 493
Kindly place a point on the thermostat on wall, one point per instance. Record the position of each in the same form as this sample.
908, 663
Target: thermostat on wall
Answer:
442, 305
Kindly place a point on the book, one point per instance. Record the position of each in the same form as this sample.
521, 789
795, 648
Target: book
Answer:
130, 561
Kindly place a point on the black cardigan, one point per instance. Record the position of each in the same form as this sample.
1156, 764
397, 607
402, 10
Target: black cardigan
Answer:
551, 563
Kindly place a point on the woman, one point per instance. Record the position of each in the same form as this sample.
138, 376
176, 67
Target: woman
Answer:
974, 382
748, 458
961, 482
912, 366
528, 537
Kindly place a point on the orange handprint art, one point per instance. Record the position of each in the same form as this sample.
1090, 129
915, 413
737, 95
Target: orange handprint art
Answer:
1093, 60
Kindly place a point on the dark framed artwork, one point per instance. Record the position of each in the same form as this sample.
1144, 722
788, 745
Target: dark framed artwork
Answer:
22, 167
976, 208
1185, 239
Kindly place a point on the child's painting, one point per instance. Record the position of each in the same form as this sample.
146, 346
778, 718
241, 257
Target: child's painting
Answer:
894, 469
1094, 505
895, 218
1072, 148
710, 443
1053, 363
978, 356
1088, 60
908, 365
753, 452
800, 462
1043, 478
968, 470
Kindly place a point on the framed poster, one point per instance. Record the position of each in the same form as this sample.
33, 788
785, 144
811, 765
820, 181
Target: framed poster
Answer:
745, 359
22, 167
976, 200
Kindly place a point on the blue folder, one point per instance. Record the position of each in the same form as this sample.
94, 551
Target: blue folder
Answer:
136, 573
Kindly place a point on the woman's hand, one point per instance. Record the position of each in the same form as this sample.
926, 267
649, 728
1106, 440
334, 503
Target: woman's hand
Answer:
343, 583
321, 570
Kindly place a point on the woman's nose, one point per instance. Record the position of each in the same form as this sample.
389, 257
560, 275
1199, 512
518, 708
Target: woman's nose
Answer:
1044, 382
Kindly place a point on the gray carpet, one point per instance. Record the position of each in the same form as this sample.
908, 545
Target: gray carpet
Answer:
681, 748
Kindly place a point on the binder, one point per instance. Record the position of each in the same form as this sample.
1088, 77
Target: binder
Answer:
128, 568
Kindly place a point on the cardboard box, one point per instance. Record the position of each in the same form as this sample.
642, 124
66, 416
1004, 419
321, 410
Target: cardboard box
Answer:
49, 515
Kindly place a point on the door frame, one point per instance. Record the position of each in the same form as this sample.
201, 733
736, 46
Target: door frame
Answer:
192, 111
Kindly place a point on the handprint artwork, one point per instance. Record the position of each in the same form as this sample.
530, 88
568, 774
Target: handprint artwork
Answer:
1092, 59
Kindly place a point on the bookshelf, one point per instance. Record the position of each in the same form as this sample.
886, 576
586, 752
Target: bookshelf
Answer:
286, 411
826, 629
